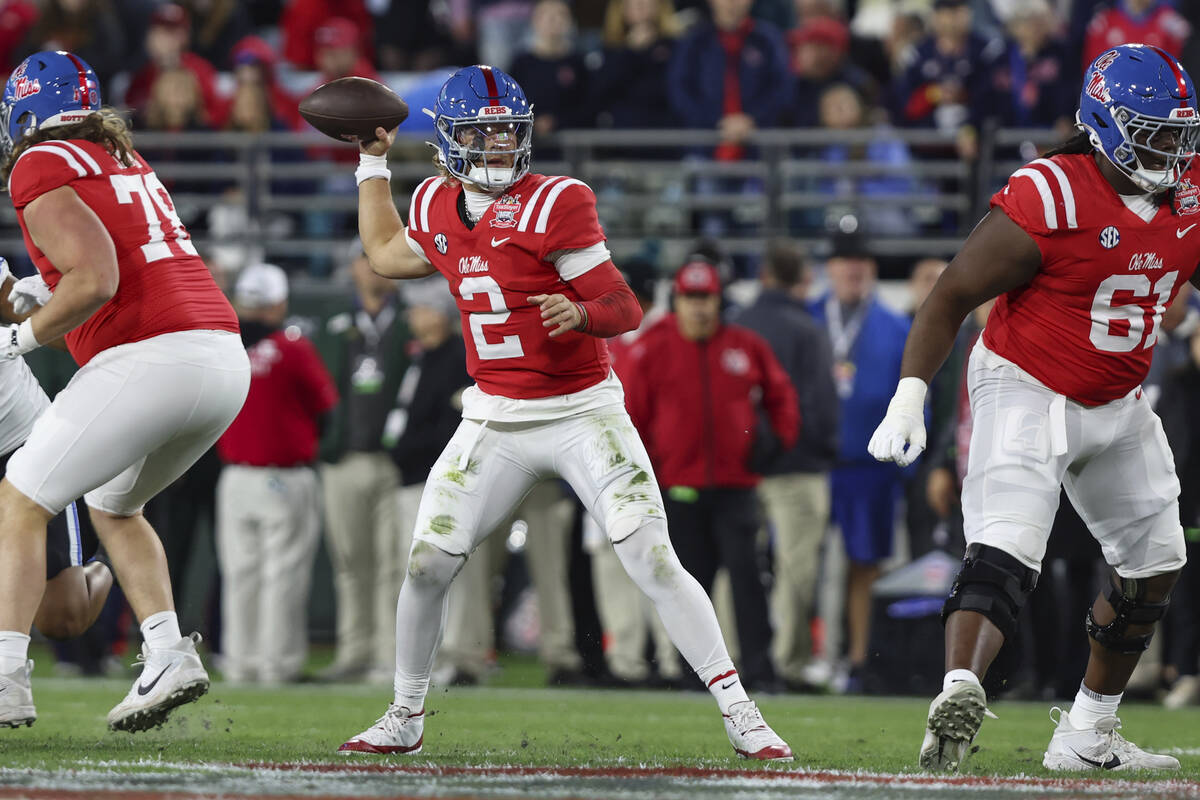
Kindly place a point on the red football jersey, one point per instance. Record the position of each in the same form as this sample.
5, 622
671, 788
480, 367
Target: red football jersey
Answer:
164, 286
495, 266
1086, 324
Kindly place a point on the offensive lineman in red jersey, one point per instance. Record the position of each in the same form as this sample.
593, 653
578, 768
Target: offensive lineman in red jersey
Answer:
1086, 248
526, 259
162, 371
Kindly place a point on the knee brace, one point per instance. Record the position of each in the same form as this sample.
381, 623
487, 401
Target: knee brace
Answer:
1129, 601
993, 583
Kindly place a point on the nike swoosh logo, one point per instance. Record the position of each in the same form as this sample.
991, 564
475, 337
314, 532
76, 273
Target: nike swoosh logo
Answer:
155, 625
497, 242
727, 685
145, 689
1182, 232
1113, 761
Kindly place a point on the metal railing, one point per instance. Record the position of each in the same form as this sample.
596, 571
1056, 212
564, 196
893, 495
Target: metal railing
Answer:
291, 197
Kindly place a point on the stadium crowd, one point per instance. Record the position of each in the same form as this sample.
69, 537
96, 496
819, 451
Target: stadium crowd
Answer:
754, 385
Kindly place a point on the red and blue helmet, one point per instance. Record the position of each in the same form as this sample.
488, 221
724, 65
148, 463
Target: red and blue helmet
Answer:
47, 89
484, 127
1138, 107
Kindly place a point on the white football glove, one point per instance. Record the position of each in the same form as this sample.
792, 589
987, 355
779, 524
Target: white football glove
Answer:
16, 340
903, 425
28, 293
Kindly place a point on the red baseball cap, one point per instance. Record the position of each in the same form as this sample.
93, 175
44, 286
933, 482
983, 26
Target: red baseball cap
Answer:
337, 32
170, 15
697, 277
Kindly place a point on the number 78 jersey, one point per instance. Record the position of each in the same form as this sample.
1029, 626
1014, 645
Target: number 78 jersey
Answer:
164, 286
1086, 325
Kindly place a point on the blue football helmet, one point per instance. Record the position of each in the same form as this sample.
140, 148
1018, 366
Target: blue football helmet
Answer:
1138, 107
484, 128
48, 89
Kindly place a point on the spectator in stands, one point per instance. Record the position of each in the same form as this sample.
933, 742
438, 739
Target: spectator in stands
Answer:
1044, 79
364, 349
338, 52
1181, 392
698, 390
17, 17
259, 103
819, 50
867, 339
551, 71
167, 48
1152, 22
500, 28
419, 35
958, 80
795, 484
90, 29
730, 74
267, 496
175, 105
217, 25
629, 82
302, 18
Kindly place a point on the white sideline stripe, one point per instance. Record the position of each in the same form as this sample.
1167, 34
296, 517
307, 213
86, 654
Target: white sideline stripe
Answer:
1064, 185
87, 159
65, 155
528, 212
412, 204
544, 217
1043, 187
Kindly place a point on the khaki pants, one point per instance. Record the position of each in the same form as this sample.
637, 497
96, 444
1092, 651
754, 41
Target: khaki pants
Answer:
468, 640
267, 533
367, 547
797, 506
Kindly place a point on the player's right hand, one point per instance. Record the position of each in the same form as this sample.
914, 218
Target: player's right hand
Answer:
381, 144
29, 293
901, 435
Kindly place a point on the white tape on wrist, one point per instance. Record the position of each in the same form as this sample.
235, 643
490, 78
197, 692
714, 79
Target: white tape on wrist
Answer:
24, 339
910, 396
370, 166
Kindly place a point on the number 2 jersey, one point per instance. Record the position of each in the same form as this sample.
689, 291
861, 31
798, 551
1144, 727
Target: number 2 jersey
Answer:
1086, 325
164, 285
508, 256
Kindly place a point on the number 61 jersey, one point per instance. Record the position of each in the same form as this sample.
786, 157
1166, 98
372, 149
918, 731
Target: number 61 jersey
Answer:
1086, 325
164, 285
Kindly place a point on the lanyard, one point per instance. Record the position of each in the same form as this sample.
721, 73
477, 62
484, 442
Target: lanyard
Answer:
372, 329
843, 333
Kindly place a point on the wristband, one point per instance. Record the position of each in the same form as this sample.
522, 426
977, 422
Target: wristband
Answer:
583, 318
23, 338
370, 166
910, 395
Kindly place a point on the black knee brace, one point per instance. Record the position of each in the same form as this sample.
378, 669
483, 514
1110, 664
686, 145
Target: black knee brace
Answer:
1128, 600
992, 583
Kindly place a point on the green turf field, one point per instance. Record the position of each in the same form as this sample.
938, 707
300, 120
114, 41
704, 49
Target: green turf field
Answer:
219, 744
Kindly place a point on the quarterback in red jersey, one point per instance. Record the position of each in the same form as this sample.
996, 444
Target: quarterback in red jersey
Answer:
162, 371
1086, 247
526, 259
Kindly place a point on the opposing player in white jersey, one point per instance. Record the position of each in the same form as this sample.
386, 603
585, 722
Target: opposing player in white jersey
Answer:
1086, 247
526, 259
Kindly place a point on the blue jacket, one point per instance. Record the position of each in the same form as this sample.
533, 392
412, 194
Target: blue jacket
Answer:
876, 355
696, 78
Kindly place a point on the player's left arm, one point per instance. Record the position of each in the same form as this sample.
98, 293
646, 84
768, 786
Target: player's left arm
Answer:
76, 242
606, 307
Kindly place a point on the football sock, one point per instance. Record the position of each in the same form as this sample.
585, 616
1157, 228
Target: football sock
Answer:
1090, 707
161, 630
956, 675
420, 618
684, 608
14, 650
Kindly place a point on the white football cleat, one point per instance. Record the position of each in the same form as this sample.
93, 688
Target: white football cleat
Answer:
171, 676
954, 718
399, 730
16, 698
1099, 747
750, 735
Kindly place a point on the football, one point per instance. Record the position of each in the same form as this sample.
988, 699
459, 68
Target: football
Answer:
350, 109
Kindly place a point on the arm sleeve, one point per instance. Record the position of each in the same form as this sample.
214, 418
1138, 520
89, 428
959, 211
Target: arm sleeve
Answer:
779, 398
608, 304
42, 169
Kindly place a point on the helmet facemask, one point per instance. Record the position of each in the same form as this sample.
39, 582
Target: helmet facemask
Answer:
491, 153
1156, 151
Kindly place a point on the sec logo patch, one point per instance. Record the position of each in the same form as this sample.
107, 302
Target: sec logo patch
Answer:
1110, 237
440, 243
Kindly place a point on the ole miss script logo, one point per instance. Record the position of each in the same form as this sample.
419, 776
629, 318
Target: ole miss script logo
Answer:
506, 211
